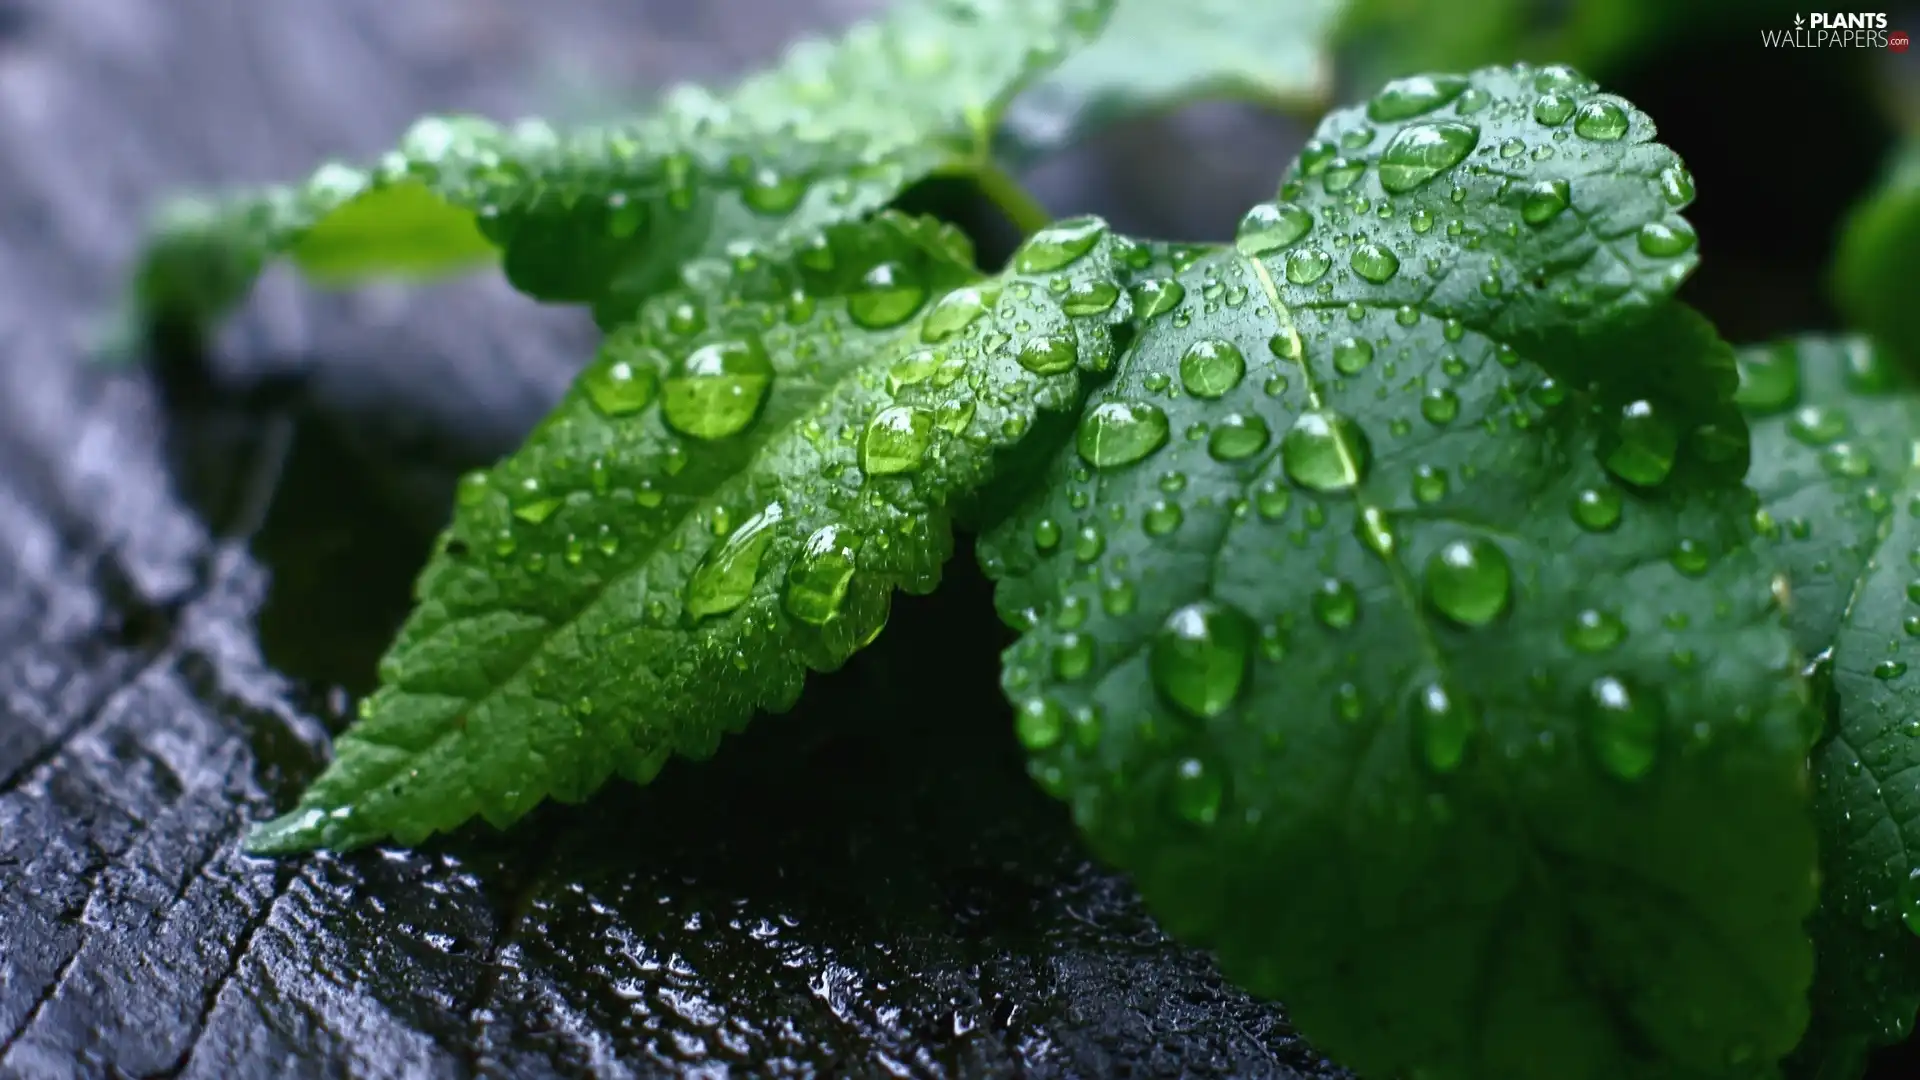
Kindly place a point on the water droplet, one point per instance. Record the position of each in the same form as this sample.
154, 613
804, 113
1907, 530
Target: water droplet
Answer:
1624, 726
913, 369
1889, 669
1269, 227
955, 312
1552, 109
1545, 201
1676, 186
1769, 380
1593, 631
896, 440
717, 389
1157, 296
1049, 354
1665, 239
1238, 436
1440, 405
1162, 517
725, 577
1429, 484
1090, 297
1419, 153
1352, 355
1307, 265
1325, 451
1646, 445
1417, 95
1271, 500
1690, 557
1341, 173
1211, 366
1600, 121
1046, 535
1868, 370
1039, 723
771, 192
1072, 657
620, 386
1117, 433
1817, 425
1336, 604
1375, 263
1197, 792
1199, 657
1059, 245
818, 580
1469, 581
1597, 509
888, 295
1443, 727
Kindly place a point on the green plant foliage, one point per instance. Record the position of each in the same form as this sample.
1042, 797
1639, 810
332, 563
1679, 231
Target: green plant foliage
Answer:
606, 215
1834, 426
1878, 262
1155, 56
728, 497
1393, 618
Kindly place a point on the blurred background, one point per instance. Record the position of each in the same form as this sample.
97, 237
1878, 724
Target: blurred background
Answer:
201, 562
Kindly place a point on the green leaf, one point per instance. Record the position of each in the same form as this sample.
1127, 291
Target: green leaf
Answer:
1156, 56
1393, 618
727, 497
1834, 426
1879, 259
607, 214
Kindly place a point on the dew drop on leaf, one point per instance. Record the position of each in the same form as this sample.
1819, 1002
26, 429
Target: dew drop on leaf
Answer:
1157, 296
888, 295
1440, 405
1887, 670
1117, 433
1594, 631
1307, 265
1211, 366
1420, 153
817, 581
953, 313
617, 387
771, 192
1375, 263
1039, 723
1690, 557
1597, 509
1336, 604
725, 577
913, 369
1162, 517
1647, 444
1544, 201
717, 389
1325, 451
1090, 297
1352, 355
1341, 173
1197, 792
1469, 581
1442, 727
1059, 245
1238, 436
1552, 109
896, 440
1665, 239
1769, 380
1600, 121
1269, 227
1417, 95
1199, 657
1049, 354
1624, 727
1817, 425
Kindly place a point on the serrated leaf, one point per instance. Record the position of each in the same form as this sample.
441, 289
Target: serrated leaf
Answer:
1835, 424
1402, 637
607, 214
727, 497
1879, 259
1154, 56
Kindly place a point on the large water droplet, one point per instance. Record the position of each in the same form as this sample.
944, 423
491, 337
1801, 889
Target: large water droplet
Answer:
1270, 227
623, 382
1442, 725
818, 580
1039, 723
1469, 581
1157, 296
1545, 201
1325, 451
724, 579
1600, 121
1647, 443
1199, 657
1375, 263
888, 295
1352, 355
1419, 153
955, 312
1197, 792
1624, 727
1211, 366
1440, 406
896, 440
1238, 436
1117, 433
1817, 425
1059, 245
1307, 265
1665, 239
1416, 95
1597, 509
717, 389
1090, 297
1553, 108
1769, 380
1340, 174
1049, 354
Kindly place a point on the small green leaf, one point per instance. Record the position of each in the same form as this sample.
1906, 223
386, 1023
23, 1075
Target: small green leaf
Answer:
1879, 260
729, 496
1458, 713
1834, 425
606, 215
1155, 55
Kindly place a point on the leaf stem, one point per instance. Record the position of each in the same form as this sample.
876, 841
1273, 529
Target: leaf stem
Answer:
1013, 199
